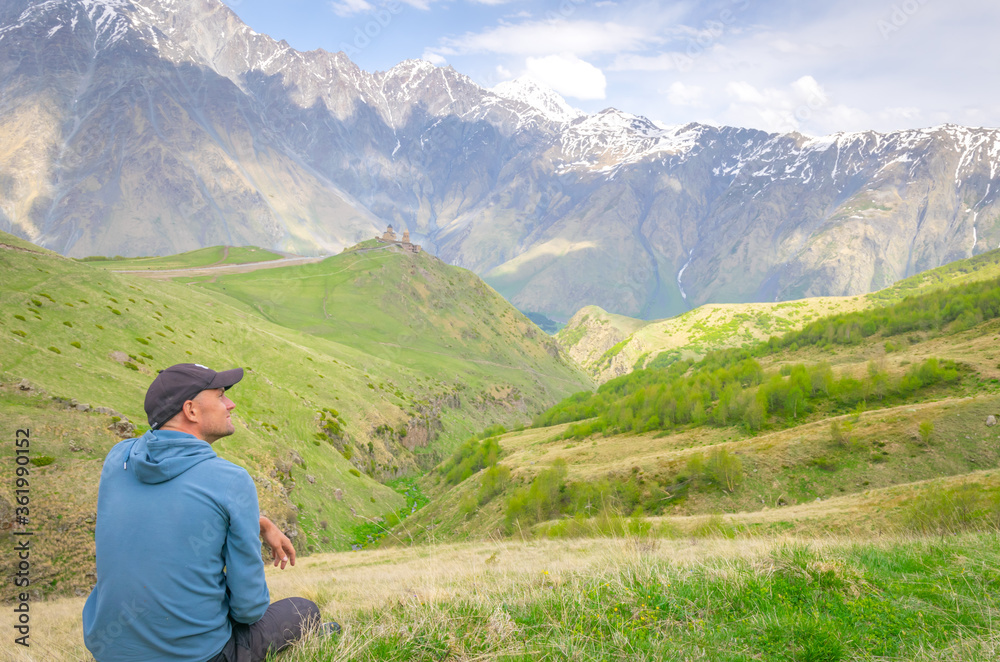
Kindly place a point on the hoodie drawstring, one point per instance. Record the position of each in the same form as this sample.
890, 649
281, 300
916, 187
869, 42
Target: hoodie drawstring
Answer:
129, 453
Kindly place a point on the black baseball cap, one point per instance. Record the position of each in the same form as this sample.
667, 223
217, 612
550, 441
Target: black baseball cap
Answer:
179, 383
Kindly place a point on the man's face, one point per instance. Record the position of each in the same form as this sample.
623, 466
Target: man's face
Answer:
214, 418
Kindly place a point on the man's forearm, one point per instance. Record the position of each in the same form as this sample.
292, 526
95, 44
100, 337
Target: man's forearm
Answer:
281, 547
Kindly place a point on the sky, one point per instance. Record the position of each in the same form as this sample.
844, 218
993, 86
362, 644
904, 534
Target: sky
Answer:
777, 65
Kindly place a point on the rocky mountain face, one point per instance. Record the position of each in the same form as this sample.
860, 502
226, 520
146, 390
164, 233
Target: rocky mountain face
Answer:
139, 127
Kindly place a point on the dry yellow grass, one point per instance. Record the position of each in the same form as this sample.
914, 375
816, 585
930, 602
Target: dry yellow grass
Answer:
536, 449
344, 583
875, 512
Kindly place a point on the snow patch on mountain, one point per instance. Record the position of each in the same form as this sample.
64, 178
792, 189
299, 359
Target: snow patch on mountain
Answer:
612, 138
532, 93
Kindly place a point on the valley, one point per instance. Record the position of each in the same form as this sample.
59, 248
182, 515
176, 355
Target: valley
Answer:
497, 506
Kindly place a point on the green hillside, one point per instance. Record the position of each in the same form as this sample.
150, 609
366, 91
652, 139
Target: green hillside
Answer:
851, 404
319, 422
415, 311
203, 257
608, 346
985, 266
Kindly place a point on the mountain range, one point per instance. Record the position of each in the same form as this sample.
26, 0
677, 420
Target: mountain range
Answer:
149, 127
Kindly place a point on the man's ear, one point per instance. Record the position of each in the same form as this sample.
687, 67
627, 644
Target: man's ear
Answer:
190, 411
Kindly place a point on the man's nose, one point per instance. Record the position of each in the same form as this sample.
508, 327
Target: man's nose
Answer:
230, 405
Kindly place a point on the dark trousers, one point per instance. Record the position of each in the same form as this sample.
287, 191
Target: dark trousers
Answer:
282, 624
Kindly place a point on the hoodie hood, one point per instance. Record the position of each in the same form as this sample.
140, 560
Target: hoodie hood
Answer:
160, 455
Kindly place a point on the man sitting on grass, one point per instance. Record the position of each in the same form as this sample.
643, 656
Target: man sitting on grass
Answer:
179, 569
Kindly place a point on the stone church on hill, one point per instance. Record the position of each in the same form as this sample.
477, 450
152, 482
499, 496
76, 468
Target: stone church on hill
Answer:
389, 237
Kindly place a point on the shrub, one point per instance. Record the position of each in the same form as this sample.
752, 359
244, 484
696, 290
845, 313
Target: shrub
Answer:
76, 343
19, 332
55, 349
20, 317
131, 366
142, 341
99, 327
42, 460
354, 472
468, 505
68, 323
926, 430
540, 500
724, 469
824, 463
493, 482
471, 457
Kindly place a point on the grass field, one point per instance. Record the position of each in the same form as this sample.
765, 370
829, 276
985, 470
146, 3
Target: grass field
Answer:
901, 597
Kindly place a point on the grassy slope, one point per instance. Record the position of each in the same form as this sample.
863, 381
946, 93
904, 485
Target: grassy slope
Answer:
291, 376
203, 257
781, 467
718, 326
435, 321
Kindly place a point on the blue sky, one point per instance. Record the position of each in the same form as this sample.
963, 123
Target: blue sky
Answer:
780, 65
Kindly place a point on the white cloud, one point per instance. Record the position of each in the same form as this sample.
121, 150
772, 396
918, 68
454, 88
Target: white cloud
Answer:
350, 7
552, 36
744, 92
434, 58
742, 63
635, 62
680, 94
907, 113
802, 105
569, 75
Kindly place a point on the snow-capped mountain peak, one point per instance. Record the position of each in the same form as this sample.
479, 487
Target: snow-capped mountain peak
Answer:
532, 93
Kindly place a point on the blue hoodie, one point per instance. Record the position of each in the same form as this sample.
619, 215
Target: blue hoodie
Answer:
178, 552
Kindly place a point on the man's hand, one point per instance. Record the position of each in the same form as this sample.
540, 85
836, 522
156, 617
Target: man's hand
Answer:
281, 547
